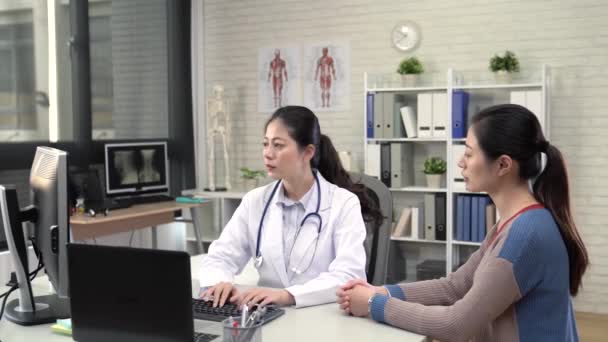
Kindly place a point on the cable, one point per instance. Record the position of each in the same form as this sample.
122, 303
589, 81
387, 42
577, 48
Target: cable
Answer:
31, 277
5, 298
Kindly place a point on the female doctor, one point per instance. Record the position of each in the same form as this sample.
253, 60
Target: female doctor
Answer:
305, 231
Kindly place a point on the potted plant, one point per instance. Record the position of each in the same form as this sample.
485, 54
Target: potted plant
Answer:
250, 177
504, 66
409, 68
434, 168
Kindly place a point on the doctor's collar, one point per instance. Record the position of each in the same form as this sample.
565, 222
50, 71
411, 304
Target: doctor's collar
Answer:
286, 202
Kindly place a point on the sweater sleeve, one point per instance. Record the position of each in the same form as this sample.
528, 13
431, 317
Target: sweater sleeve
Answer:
444, 291
494, 290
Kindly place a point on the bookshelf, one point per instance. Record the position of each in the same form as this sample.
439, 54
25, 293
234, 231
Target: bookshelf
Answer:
411, 258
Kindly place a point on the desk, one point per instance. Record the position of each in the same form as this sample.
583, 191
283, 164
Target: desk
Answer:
317, 323
136, 217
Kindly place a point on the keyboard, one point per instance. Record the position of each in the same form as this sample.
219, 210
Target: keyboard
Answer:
129, 201
203, 309
202, 337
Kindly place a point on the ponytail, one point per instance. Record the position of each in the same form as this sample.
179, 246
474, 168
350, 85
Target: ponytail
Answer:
552, 190
331, 168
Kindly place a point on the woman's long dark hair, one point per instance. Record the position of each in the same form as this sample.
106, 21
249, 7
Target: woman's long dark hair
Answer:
515, 131
303, 127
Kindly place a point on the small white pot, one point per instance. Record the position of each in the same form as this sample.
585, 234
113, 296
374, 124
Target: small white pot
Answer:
250, 184
434, 181
503, 77
409, 80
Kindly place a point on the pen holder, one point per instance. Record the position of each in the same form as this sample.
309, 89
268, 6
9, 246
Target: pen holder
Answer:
238, 333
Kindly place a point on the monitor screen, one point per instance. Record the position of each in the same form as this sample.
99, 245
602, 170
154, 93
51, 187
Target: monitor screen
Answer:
136, 168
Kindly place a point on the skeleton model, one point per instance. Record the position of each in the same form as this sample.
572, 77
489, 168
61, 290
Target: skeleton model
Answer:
218, 123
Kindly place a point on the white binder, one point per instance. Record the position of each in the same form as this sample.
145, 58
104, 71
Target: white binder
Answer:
440, 115
458, 180
372, 163
425, 115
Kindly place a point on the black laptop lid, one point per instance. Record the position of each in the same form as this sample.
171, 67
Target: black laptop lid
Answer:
129, 294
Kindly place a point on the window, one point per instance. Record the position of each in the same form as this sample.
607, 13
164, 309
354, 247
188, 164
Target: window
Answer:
129, 72
19, 119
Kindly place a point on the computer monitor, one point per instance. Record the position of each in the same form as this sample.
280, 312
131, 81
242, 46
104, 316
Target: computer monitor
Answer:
48, 217
136, 168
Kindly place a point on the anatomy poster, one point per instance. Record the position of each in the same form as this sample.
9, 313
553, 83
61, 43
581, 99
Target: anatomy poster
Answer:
278, 78
326, 76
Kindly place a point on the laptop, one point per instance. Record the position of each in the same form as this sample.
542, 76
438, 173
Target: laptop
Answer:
122, 294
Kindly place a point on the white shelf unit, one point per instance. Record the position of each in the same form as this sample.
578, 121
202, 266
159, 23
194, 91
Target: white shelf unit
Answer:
482, 94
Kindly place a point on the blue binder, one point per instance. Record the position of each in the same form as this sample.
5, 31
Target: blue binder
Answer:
370, 115
459, 232
484, 201
467, 218
474, 218
460, 105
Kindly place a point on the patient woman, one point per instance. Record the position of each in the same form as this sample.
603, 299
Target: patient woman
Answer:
518, 285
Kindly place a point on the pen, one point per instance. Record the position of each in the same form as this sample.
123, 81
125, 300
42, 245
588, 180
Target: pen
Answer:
244, 312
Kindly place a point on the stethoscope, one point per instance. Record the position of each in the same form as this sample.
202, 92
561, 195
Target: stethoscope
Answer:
258, 255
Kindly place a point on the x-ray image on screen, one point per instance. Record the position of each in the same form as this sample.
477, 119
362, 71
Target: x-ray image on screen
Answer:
136, 167
126, 168
149, 171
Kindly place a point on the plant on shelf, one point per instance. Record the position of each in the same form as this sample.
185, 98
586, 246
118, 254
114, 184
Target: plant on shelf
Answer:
409, 68
251, 177
504, 66
434, 168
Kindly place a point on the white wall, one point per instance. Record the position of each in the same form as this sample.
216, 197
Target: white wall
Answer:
571, 37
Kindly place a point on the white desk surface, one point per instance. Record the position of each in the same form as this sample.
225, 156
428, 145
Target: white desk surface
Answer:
318, 323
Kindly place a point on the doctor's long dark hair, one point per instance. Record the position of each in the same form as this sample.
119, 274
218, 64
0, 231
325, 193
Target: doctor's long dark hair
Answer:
515, 131
303, 127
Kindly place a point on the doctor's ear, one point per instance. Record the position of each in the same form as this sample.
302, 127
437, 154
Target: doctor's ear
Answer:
309, 152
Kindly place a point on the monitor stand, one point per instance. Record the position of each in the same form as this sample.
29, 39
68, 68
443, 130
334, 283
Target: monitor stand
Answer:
48, 309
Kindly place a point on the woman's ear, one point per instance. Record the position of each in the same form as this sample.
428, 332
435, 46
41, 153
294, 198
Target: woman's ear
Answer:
505, 164
309, 152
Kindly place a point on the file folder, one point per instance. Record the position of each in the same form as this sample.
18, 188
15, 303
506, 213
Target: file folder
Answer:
378, 115
385, 164
440, 213
388, 115
429, 217
440, 115
372, 162
459, 233
370, 115
466, 227
460, 105
425, 115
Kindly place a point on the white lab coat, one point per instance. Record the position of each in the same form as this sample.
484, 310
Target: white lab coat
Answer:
340, 255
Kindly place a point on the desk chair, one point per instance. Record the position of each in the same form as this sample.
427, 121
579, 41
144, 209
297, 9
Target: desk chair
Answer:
378, 236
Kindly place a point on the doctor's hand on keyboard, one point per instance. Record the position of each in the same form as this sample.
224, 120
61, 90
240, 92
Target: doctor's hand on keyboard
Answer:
221, 293
265, 296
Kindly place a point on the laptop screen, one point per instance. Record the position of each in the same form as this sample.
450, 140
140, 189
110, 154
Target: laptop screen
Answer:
130, 294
